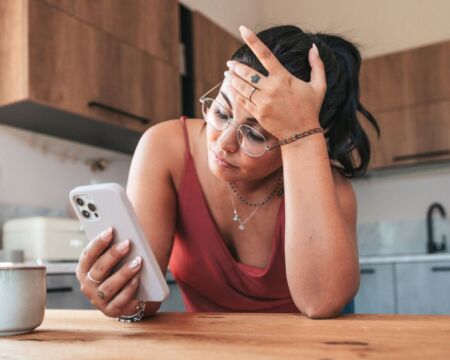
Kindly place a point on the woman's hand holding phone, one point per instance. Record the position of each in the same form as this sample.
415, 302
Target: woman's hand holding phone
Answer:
111, 293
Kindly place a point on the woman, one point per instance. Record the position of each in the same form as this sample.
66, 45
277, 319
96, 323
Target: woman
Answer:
252, 207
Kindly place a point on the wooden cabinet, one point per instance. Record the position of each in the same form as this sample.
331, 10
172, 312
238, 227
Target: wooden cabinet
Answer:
150, 25
212, 47
423, 288
377, 290
409, 94
78, 82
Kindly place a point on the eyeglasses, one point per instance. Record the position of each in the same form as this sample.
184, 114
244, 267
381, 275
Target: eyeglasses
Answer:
251, 141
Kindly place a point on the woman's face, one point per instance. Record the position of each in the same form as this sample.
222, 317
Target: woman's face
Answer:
226, 159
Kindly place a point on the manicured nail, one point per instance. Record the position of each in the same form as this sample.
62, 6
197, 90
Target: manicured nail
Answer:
244, 31
226, 73
316, 51
123, 246
105, 234
230, 64
136, 262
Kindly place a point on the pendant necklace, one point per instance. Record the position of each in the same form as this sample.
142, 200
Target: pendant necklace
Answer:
233, 191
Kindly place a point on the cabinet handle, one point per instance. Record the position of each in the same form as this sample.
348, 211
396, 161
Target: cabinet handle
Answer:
60, 289
440, 268
367, 271
421, 155
141, 119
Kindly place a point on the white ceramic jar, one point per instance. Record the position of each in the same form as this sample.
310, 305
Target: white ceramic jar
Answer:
23, 294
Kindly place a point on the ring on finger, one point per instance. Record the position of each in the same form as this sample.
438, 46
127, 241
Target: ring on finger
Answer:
92, 279
255, 78
253, 90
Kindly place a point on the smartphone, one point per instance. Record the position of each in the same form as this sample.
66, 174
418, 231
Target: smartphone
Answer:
100, 206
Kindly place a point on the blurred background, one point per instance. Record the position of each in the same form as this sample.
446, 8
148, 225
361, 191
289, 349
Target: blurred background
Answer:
81, 80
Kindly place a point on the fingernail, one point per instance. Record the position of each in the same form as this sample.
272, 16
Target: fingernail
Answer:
123, 245
315, 50
136, 262
106, 233
226, 73
244, 31
230, 64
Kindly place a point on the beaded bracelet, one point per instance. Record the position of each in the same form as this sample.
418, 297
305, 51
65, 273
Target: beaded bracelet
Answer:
300, 135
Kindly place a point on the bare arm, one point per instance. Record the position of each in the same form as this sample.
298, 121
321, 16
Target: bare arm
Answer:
152, 193
320, 242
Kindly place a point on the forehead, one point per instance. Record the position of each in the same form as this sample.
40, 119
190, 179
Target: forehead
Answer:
228, 99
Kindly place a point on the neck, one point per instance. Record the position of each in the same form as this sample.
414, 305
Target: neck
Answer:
258, 186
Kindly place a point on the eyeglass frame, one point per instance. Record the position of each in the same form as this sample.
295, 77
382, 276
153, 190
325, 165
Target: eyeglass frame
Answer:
230, 121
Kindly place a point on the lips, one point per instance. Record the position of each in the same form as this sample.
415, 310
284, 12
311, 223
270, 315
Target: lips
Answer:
222, 161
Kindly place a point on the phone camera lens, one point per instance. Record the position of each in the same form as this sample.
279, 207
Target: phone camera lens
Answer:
80, 201
86, 214
91, 207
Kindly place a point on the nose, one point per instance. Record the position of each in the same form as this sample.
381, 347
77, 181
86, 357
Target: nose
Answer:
227, 140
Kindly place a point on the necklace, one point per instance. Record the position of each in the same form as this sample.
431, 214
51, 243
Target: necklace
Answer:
236, 216
277, 188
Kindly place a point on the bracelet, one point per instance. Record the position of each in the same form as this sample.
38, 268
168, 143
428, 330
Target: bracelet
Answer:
137, 316
300, 135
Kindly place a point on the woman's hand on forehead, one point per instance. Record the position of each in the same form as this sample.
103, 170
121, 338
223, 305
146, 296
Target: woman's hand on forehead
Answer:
282, 103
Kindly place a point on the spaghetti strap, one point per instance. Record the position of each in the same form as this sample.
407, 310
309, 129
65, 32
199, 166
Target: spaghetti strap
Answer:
186, 137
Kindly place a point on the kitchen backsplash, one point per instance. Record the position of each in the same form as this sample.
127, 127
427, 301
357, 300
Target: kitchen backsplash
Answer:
399, 237
375, 239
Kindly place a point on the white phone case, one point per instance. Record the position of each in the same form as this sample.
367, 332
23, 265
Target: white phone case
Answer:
114, 209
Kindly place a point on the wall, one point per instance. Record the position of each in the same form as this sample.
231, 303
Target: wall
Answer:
381, 27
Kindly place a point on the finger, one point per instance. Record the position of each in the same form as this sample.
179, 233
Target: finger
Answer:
124, 302
93, 250
243, 87
104, 264
262, 52
318, 77
251, 107
250, 75
112, 285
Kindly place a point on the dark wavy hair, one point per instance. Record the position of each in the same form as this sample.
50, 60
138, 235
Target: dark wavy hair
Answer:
337, 117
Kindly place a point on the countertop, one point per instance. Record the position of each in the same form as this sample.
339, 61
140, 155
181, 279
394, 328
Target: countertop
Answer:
88, 334
407, 258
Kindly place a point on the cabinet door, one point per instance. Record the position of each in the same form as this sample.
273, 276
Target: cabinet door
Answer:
411, 135
212, 47
423, 288
63, 292
376, 293
72, 66
407, 78
150, 25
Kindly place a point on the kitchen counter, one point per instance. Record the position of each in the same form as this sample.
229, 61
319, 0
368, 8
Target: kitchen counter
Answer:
386, 259
88, 334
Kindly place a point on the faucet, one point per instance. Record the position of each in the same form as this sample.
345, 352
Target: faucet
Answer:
431, 244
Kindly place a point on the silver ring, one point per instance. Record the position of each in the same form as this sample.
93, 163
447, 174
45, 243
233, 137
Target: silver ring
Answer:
253, 90
92, 279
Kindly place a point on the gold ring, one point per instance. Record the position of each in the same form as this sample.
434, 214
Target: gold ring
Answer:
253, 90
92, 279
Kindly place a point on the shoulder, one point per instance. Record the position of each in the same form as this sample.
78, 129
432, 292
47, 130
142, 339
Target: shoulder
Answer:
165, 144
346, 196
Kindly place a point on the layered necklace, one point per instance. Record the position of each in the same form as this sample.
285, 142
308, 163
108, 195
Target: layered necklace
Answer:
278, 189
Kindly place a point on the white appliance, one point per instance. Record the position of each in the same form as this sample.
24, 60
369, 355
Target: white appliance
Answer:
46, 239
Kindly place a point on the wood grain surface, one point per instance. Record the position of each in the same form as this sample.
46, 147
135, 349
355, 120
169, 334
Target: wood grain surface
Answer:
88, 334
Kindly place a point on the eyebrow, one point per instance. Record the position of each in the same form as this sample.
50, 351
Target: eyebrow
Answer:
252, 119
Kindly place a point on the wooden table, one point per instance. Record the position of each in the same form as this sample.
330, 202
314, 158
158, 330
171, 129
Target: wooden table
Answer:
88, 334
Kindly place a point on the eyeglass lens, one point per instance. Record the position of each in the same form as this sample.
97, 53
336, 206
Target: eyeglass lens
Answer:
250, 140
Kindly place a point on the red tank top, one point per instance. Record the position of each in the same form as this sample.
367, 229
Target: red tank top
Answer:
209, 277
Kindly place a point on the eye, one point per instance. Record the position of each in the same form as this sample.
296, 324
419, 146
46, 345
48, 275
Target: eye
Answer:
220, 114
252, 134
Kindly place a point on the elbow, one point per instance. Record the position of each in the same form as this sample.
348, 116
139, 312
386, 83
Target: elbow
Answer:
322, 309
322, 312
